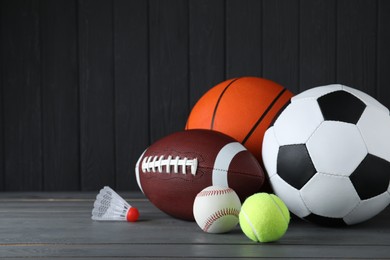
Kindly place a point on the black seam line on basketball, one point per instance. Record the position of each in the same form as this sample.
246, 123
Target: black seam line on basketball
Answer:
262, 116
219, 100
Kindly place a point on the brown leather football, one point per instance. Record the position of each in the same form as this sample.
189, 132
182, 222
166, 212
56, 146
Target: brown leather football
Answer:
173, 170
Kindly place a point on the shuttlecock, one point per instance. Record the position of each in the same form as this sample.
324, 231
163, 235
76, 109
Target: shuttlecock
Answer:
110, 206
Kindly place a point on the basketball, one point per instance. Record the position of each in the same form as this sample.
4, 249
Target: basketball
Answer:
242, 108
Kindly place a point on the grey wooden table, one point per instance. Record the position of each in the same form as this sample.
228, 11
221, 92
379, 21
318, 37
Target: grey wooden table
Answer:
58, 226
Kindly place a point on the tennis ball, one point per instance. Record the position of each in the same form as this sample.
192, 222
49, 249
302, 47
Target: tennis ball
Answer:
264, 217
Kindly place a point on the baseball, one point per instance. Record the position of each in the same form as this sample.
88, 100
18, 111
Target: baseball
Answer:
216, 209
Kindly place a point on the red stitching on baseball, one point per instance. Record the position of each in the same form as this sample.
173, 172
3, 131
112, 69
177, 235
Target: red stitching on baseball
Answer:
214, 192
219, 214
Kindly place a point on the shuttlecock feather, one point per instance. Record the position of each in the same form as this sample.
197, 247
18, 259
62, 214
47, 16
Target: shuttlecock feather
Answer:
110, 206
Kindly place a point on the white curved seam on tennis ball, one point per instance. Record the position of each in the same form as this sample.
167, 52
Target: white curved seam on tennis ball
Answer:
250, 224
280, 210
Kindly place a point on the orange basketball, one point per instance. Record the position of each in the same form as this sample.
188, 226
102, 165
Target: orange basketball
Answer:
241, 107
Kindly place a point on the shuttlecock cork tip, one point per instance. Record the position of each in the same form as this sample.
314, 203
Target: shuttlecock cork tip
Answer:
132, 215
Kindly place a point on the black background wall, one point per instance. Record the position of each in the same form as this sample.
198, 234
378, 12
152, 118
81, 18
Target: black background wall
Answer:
87, 85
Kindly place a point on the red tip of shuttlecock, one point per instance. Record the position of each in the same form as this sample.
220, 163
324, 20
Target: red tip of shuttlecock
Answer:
132, 214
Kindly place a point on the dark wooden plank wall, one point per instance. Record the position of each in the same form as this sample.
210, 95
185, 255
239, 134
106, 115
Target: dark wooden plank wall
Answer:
87, 85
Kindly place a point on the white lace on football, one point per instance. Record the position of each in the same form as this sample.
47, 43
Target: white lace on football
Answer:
155, 163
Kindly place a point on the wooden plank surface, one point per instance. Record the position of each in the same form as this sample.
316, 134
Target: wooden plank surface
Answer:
281, 42
169, 98
96, 94
383, 53
60, 92
357, 44
131, 88
2, 172
21, 67
58, 225
317, 53
206, 46
87, 85
244, 36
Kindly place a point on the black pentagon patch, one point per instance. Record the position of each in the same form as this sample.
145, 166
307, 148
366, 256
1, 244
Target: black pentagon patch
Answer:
371, 178
294, 165
325, 221
341, 106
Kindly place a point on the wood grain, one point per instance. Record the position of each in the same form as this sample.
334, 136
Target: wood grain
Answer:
206, 46
356, 44
281, 42
57, 226
169, 98
383, 53
317, 51
2, 171
87, 85
60, 92
97, 139
22, 97
244, 38
131, 88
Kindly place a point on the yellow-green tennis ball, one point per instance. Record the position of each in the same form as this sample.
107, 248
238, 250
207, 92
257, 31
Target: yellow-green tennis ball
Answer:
264, 217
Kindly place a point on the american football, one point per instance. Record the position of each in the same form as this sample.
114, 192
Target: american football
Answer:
173, 170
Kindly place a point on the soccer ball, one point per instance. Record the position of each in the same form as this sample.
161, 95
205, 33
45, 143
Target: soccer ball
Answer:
328, 156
